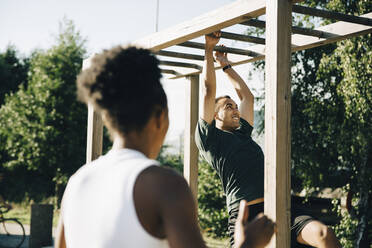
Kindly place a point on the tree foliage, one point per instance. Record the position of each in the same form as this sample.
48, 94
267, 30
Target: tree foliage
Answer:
43, 126
331, 109
13, 71
213, 215
331, 132
212, 209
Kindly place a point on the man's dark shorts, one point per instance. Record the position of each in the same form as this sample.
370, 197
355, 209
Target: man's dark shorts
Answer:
298, 222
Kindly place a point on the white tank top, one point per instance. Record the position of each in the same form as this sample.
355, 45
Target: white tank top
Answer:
98, 205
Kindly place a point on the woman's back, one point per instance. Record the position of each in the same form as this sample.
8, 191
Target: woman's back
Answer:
99, 209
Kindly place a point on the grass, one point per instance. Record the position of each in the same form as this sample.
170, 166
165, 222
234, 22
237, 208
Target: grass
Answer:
216, 243
19, 212
22, 212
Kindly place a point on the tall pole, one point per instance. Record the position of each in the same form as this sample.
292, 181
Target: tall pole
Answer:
94, 135
95, 128
190, 151
277, 118
157, 16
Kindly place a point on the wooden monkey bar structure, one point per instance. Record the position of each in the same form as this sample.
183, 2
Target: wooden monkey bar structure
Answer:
281, 39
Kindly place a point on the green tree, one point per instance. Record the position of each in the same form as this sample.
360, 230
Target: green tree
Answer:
43, 126
331, 133
13, 71
212, 209
213, 215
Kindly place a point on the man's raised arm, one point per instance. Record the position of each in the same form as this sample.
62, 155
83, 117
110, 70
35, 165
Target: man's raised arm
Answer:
209, 78
244, 93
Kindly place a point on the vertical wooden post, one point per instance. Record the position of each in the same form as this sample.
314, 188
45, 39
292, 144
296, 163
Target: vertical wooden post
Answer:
95, 134
277, 118
95, 127
191, 153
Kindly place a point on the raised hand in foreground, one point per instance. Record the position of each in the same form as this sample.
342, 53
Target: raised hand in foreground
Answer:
254, 234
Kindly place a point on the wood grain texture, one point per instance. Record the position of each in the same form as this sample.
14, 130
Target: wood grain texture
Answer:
94, 135
191, 152
331, 15
277, 119
335, 32
218, 19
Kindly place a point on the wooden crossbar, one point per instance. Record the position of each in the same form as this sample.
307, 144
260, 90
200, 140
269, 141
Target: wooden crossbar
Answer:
331, 15
220, 49
295, 29
339, 30
240, 37
180, 64
179, 55
226, 16
167, 71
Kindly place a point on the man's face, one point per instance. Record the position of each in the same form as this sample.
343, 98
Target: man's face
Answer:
227, 116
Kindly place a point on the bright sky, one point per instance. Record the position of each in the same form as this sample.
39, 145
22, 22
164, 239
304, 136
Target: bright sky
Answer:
32, 24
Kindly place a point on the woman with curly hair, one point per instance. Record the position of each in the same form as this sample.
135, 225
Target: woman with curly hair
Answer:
124, 198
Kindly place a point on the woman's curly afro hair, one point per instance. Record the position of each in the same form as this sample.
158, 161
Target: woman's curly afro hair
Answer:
124, 83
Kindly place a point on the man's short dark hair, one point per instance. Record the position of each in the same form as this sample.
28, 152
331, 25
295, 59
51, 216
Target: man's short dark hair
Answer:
125, 84
216, 104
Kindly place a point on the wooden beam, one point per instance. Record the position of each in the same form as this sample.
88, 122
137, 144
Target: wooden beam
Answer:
191, 153
312, 32
277, 119
179, 55
339, 30
331, 15
180, 64
295, 29
240, 37
226, 16
168, 71
197, 45
95, 127
95, 135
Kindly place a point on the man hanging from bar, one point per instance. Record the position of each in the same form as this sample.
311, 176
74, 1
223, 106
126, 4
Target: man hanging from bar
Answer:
223, 136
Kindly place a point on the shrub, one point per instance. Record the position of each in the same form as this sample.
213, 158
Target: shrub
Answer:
213, 215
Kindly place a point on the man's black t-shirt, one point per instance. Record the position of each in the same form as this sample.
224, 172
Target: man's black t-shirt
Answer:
238, 160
